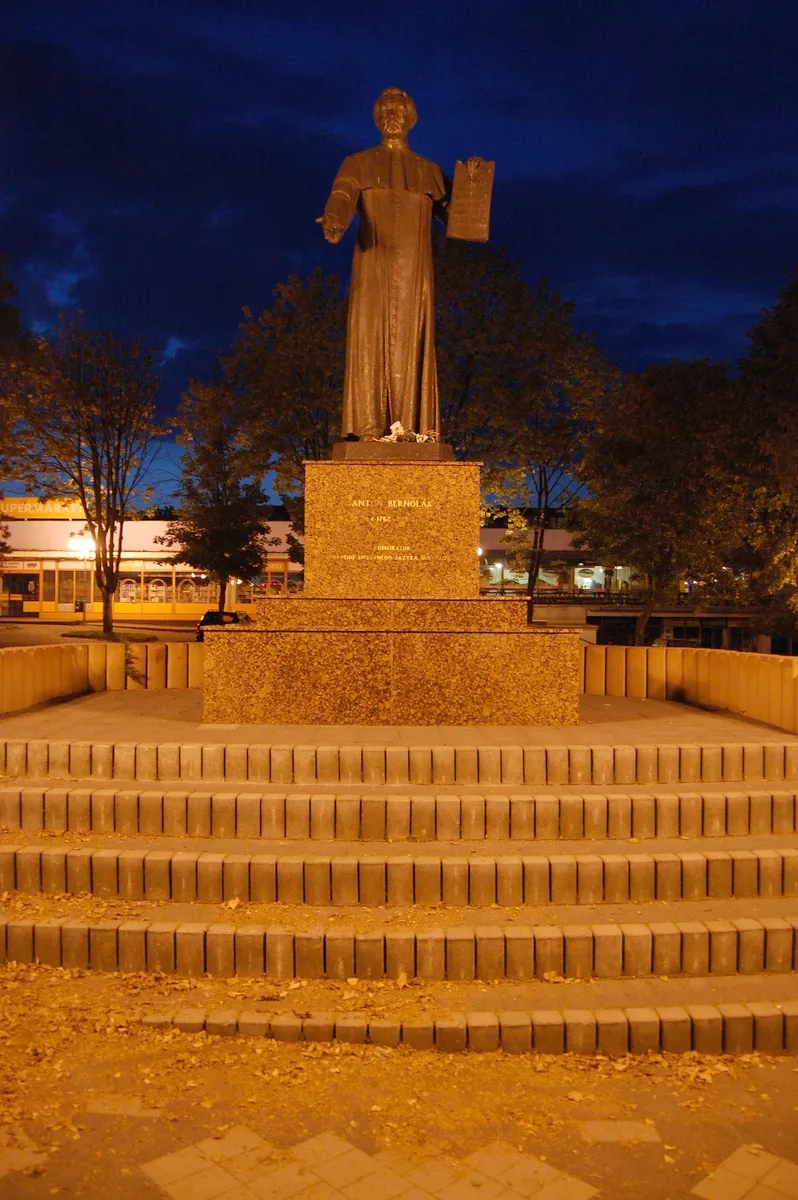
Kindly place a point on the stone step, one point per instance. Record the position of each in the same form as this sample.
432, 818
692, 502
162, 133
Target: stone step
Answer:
737, 1028
585, 1012
548, 953
407, 997
403, 765
396, 880
312, 848
362, 919
170, 809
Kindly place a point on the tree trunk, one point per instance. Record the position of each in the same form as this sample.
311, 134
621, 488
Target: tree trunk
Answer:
222, 591
643, 619
535, 560
106, 579
108, 611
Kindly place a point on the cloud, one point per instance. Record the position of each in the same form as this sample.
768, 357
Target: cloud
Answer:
174, 345
165, 162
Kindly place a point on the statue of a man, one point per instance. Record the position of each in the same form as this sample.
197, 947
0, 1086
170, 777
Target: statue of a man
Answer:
390, 346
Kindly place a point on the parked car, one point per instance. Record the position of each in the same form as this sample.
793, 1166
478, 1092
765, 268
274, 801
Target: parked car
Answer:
213, 618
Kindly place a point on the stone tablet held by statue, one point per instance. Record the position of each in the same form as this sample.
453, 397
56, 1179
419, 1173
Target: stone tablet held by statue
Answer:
469, 207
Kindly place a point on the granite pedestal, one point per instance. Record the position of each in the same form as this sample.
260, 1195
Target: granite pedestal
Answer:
393, 677
391, 629
392, 528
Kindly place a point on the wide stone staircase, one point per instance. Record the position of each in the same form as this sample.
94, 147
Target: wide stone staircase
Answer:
573, 898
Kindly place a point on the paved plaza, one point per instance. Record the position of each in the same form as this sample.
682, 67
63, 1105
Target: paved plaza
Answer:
95, 1103
230, 985
176, 716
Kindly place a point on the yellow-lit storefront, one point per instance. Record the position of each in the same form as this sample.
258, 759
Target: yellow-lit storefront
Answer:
48, 570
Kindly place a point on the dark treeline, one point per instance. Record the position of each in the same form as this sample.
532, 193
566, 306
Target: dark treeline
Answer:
689, 468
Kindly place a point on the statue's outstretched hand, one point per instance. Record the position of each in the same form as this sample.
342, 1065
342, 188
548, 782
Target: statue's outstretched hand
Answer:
332, 232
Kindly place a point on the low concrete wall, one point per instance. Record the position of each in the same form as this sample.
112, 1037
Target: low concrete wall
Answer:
762, 687
33, 674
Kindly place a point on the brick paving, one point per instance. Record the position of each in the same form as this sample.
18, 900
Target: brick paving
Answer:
750, 1174
203, 1116
626, 886
175, 716
239, 1166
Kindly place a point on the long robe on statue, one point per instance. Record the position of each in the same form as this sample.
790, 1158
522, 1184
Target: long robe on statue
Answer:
390, 346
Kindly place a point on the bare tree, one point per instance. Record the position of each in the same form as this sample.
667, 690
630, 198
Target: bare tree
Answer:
88, 431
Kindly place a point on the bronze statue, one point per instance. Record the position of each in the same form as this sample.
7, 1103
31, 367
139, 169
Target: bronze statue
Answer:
390, 348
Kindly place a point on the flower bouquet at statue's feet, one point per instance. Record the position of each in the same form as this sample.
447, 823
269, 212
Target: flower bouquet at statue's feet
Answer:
400, 434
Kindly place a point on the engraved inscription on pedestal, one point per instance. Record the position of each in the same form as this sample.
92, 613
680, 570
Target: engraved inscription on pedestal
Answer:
392, 530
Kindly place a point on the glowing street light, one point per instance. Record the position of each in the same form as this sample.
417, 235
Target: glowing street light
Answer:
83, 547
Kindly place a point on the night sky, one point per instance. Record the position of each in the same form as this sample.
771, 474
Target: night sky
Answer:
162, 161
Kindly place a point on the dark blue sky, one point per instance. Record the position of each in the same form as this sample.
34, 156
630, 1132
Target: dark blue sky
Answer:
162, 161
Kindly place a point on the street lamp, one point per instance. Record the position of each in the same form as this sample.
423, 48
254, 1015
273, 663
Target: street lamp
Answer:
82, 546
484, 566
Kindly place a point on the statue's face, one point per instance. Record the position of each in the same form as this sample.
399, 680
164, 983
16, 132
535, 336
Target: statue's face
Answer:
393, 117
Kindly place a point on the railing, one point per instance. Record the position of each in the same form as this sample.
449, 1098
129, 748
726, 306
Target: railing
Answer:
592, 597
576, 595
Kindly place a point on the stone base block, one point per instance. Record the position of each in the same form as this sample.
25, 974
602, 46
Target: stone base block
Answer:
408, 616
345, 677
371, 451
391, 529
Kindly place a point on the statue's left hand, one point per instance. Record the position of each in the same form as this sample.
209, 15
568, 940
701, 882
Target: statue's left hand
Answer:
333, 233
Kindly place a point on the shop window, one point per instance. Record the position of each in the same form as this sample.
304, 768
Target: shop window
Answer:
48, 585
589, 578
83, 585
127, 591
66, 587
197, 590
157, 590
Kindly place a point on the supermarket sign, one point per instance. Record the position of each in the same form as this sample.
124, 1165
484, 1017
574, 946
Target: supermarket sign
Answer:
31, 506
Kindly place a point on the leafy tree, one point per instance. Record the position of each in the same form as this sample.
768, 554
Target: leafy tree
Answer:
287, 365
559, 378
287, 368
767, 419
88, 431
660, 473
513, 375
479, 318
220, 523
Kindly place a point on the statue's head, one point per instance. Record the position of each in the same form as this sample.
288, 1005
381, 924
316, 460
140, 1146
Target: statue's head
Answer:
394, 113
